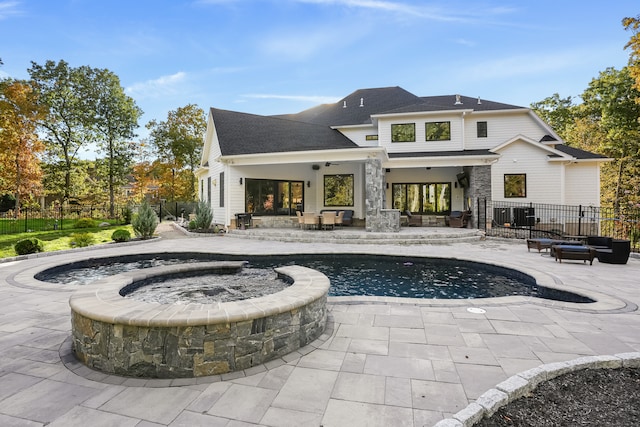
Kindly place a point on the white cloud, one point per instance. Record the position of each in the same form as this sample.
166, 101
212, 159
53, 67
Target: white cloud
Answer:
154, 88
316, 99
9, 8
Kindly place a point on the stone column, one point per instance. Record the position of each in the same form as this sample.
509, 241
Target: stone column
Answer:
377, 218
479, 188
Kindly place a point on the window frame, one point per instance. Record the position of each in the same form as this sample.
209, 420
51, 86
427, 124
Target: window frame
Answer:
350, 191
395, 134
482, 129
221, 189
439, 133
508, 194
274, 197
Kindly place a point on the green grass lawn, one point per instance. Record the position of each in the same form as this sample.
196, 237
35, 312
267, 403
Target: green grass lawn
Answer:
57, 240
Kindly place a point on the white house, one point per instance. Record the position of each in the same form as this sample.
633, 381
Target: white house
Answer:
383, 151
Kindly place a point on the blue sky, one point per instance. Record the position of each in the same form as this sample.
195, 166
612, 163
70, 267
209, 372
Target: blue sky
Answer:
283, 56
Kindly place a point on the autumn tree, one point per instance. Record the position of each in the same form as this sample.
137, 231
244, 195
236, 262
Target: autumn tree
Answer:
633, 25
20, 146
179, 142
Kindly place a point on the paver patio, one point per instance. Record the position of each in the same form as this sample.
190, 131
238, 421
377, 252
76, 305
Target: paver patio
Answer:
382, 364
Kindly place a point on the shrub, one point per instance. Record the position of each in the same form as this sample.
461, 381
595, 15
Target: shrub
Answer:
192, 225
126, 215
28, 246
204, 216
82, 240
145, 223
85, 223
121, 235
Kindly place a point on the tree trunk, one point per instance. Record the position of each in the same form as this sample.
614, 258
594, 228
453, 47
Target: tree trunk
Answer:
616, 202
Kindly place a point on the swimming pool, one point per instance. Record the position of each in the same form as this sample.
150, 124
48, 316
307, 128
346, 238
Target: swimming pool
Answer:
350, 274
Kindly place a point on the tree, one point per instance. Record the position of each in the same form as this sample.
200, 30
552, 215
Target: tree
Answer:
116, 118
179, 142
65, 93
20, 146
558, 112
633, 25
609, 103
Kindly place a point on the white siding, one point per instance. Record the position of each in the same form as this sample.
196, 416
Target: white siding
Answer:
582, 184
359, 135
500, 128
544, 179
420, 144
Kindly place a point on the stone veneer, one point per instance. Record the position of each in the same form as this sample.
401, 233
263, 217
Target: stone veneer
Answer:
122, 336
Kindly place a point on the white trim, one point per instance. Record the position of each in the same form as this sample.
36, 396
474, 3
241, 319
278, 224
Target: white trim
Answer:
312, 156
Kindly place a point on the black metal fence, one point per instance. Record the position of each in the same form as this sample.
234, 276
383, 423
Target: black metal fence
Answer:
63, 217
528, 220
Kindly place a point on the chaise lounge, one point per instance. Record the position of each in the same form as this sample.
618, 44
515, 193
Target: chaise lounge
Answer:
574, 252
545, 243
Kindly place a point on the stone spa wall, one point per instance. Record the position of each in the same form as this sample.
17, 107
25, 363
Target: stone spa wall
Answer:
122, 336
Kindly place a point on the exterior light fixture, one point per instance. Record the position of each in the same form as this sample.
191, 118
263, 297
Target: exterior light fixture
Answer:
308, 183
240, 180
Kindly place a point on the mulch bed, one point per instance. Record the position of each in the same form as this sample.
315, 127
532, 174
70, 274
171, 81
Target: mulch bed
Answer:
589, 397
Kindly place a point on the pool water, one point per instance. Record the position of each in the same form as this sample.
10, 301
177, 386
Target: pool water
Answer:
350, 274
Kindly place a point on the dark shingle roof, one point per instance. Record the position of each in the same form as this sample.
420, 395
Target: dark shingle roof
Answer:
374, 101
241, 133
388, 100
441, 154
578, 153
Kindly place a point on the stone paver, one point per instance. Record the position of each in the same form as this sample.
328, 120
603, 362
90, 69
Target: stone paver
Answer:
384, 363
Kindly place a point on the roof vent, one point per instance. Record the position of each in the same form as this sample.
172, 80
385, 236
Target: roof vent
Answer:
362, 102
458, 101
479, 102
344, 105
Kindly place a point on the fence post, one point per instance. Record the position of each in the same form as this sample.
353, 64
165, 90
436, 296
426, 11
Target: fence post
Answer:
579, 220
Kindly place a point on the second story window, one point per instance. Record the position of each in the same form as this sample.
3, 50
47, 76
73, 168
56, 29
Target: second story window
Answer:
438, 131
405, 132
371, 137
482, 129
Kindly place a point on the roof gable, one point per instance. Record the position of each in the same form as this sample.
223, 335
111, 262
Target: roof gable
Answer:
242, 133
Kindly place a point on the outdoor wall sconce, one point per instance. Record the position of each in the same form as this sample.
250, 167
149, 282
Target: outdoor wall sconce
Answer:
240, 180
387, 185
308, 183
315, 167
327, 164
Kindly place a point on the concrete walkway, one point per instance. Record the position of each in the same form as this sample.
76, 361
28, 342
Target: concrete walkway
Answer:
386, 363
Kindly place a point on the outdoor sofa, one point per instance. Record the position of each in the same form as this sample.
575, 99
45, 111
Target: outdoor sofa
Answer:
610, 250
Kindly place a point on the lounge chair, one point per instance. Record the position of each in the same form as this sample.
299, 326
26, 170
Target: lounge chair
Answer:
300, 219
577, 252
610, 250
340, 218
545, 243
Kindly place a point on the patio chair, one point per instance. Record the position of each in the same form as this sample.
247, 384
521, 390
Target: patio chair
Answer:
310, 219
458, 219
328, 219
340, 218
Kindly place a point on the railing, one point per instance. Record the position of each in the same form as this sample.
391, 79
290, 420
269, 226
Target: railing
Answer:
527, 220
61, 218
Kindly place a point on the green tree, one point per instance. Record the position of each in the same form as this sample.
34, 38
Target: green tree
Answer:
559, 113
65, 93
116, 118
609, 103
145, 222
179, 142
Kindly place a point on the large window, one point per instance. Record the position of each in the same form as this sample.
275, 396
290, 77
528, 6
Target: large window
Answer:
405, 132
428, 198
273, 197
515, 185
338, 190
221, 189
438, 131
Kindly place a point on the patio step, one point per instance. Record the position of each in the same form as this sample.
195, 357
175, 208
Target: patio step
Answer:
406, 236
